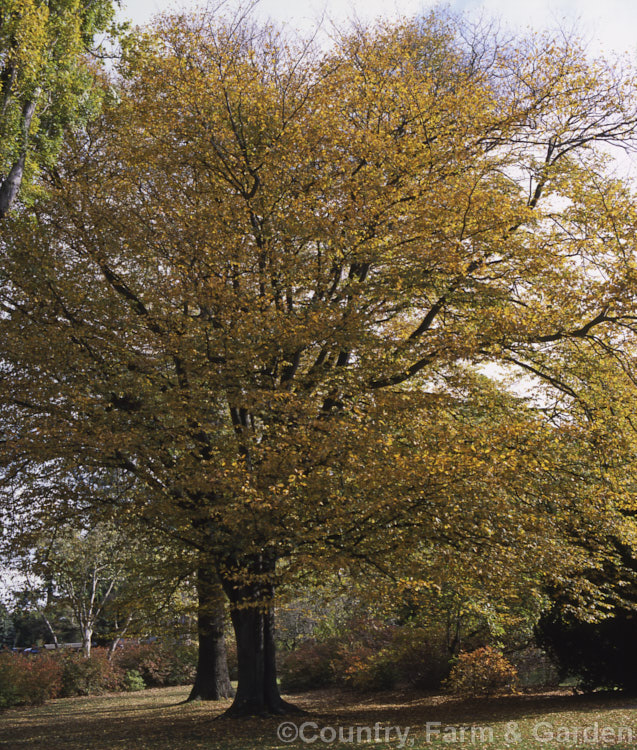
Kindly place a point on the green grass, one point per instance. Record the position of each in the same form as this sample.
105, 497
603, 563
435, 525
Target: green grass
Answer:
158, 720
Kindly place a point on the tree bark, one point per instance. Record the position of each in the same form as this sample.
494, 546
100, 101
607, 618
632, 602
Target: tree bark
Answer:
252, 616
51, 630
121, 632
212, 681
87, 636
10, 186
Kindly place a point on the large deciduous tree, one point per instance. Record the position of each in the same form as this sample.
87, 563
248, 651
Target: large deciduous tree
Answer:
261, 284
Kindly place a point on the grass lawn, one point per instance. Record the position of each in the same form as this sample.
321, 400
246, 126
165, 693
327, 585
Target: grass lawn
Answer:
157, 720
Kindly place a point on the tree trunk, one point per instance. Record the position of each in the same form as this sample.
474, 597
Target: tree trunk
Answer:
10, 186
51, 630
121, 632
87, 635
252, 616
212, 682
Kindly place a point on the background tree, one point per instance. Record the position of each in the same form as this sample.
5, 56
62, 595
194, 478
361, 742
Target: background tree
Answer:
82, 570
45, 82
91, 579
7, 627
598, 651
594, 643
263, 282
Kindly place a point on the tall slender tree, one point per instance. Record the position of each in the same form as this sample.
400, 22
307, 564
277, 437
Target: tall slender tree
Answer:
45, 82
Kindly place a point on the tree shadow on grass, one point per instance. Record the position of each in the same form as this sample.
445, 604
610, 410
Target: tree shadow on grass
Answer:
124, 724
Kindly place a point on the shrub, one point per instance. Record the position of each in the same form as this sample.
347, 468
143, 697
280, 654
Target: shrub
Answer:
535, 668
181, 661
231, 654
142, 658
364, 659
133, 681
93, 676
160, 665
28, 680
371, 671
421, 657
411, 656
367, 655
309, 666
484, 671
10, 692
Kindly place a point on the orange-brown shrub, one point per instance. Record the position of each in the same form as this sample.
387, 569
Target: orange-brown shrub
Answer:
29, 680
484, 671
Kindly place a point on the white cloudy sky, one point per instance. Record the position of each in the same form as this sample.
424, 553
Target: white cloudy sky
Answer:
606, 24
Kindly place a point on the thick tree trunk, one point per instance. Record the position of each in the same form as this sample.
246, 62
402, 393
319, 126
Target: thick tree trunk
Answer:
212, 682
252, 616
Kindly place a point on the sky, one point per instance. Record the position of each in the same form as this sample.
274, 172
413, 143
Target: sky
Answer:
607, 25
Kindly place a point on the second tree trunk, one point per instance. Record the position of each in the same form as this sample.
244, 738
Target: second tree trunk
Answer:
212, 681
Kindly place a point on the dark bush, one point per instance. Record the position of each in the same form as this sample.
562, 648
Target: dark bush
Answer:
599, 654
421, 656
231, 654
182, 663
535, 668
369, 671
309, 666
